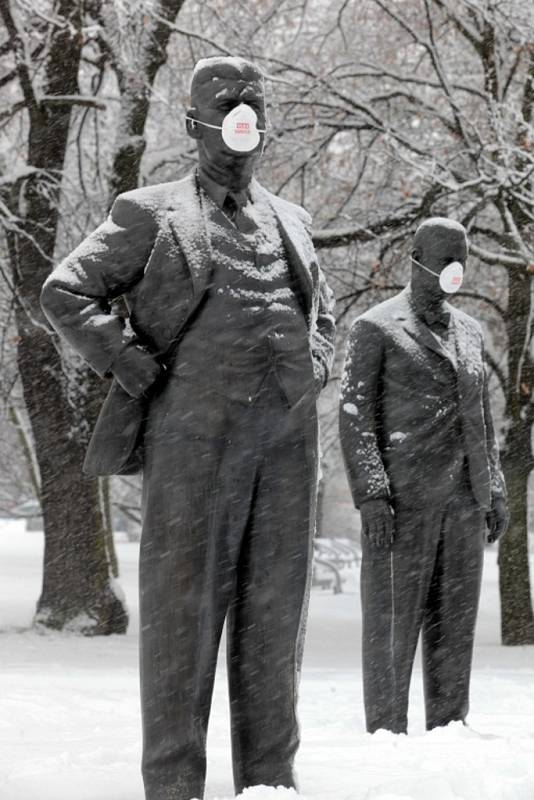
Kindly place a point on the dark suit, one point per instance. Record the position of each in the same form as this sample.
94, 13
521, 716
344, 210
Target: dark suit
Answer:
416, 429
153, 250
229, 471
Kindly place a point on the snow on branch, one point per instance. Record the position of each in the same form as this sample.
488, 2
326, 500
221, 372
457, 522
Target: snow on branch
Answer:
497, 259
72, 99
359, 233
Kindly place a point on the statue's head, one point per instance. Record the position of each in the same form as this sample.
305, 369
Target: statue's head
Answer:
227, 117
439, 257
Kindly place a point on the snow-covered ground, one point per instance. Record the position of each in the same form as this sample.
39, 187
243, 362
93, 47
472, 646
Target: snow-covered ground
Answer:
69, 711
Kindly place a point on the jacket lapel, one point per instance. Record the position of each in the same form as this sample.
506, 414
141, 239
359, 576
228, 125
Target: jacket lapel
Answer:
468, 356
189, 228
296, 240
417, 329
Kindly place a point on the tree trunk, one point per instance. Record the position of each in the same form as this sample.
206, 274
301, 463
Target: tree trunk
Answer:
105, 499
136, 78
517, 619
27, 450
77, 591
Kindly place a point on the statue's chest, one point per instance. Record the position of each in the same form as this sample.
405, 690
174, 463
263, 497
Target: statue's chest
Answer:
250, 270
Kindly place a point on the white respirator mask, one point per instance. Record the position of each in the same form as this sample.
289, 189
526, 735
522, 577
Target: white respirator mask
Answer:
239, 128
450, 278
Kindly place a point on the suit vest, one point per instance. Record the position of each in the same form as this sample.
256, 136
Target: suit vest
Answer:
251, 321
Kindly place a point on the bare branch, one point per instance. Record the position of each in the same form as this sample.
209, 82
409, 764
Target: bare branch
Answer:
72, 100
484, 298
341, 237
467, 32
497, 259
499, 372
21, 64
193, 35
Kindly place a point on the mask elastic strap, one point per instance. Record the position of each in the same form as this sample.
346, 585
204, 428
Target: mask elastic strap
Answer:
206, 124
437, 274
219, 127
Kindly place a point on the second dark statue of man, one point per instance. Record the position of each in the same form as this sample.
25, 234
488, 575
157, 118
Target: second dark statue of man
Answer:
221, 274
423, 466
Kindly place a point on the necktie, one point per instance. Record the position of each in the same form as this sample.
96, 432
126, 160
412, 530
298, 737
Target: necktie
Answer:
437, 319
234, 211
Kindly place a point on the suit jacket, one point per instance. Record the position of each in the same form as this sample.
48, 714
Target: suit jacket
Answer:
409, 413
153, 249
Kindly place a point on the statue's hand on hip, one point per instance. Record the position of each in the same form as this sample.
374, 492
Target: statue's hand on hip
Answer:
135, 369
497, 518
377, 522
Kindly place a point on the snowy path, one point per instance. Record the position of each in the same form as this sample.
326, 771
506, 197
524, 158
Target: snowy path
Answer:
69, 714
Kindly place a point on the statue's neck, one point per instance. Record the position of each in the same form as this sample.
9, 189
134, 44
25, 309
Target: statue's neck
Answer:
424, 300
233, 180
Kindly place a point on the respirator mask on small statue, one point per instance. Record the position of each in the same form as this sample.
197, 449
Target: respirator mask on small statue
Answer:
239, 128
450, 278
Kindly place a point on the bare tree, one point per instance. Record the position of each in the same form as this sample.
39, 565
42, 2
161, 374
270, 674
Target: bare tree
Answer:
76, 591
47, 48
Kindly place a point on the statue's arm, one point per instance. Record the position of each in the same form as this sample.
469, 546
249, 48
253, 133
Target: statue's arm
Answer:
323, 339
76, 295
358, 413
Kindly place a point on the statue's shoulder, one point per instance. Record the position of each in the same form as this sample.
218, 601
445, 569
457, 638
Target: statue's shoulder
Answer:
157, 197
282, 205
462, 318
388, 313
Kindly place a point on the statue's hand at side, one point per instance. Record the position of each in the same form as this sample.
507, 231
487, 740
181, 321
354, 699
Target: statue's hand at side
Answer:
497, 518
135, 369
377, 522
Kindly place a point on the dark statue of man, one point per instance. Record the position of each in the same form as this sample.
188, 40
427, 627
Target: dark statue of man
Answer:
222, 274
423, 466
